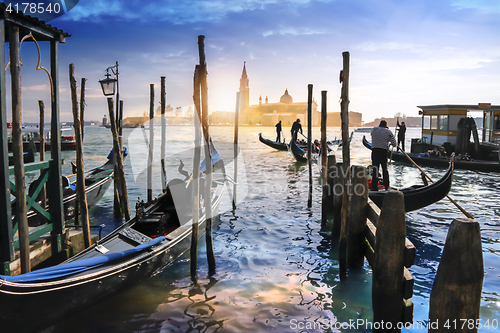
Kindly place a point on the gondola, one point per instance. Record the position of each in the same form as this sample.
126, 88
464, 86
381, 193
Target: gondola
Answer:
97, 182
440, 162
297, 152
158, 234
282, 146
419, 196
300, 153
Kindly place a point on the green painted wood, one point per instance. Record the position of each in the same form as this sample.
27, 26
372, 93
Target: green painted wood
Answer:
35, 233
31, 199
6, 248
32, 167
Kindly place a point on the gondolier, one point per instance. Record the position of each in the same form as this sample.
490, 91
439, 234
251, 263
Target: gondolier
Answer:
381, 138
278, 131
401, 133
296, 127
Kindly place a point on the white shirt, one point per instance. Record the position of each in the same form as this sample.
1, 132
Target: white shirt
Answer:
381, 137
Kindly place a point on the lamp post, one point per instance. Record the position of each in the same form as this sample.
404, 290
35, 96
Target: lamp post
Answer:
110, 87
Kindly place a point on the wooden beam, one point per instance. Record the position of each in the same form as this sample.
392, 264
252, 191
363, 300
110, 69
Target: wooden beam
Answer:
6, 249
17, 150
54, 184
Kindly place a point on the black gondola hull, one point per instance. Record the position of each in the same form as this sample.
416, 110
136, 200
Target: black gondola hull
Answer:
441, 162
48, 301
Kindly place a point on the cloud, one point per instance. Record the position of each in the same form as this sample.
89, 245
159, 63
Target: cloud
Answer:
295, 32
174, 11
488, 6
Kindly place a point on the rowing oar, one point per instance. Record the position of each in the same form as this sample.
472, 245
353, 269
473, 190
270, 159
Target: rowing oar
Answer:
452, 201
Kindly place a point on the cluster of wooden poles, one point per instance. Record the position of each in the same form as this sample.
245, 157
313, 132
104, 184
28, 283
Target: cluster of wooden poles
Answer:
360, 229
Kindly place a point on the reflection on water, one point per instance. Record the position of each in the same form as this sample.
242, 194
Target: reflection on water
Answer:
275, 271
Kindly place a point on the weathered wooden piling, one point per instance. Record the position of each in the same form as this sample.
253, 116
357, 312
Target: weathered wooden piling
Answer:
82, 107
337, 181
236, 148
119, 171
17, 149
196, 174
343, 233
151, 141
163, 135
357, 216
309, 142
456, 292
324, 166
388, 266
41, 107
331, 162
80, 178
344, 111
208, 156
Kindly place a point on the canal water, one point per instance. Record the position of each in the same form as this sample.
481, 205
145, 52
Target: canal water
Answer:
275, 270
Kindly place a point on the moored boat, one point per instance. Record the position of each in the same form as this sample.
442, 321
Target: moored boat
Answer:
419, 196
97, 182
158, 234
424, 159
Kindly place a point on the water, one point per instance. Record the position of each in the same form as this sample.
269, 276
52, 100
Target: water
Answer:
275, 270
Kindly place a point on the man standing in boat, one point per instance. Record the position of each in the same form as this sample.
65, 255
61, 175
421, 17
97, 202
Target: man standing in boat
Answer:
278, 131
381, 138
296, 127
401, 134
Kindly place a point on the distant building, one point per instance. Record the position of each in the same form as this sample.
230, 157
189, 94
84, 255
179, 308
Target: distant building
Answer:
268, 114
355, 119
221, 118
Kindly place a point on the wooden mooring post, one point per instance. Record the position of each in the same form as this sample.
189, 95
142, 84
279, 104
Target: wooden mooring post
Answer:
41, 107
388, 266
456, 293
337, 180
208, 156
386, 249
163, 135
17, 149
80, 177
196, 174
151, 141
309, 142
236, 148
119, 171
344, 111
324, 166
357, 216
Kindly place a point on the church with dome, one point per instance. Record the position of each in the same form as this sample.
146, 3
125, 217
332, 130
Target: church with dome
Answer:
268, 114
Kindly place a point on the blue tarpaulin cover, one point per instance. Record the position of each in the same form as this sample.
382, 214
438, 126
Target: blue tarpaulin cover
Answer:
78, 266
215, 158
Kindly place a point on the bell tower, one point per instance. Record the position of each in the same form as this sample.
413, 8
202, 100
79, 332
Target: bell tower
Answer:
244, 91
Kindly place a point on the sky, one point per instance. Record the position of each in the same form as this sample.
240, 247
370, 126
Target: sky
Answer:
402, 53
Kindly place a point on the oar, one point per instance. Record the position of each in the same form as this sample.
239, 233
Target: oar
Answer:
422, 171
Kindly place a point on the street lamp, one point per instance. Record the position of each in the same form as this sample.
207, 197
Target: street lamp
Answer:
109, 87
